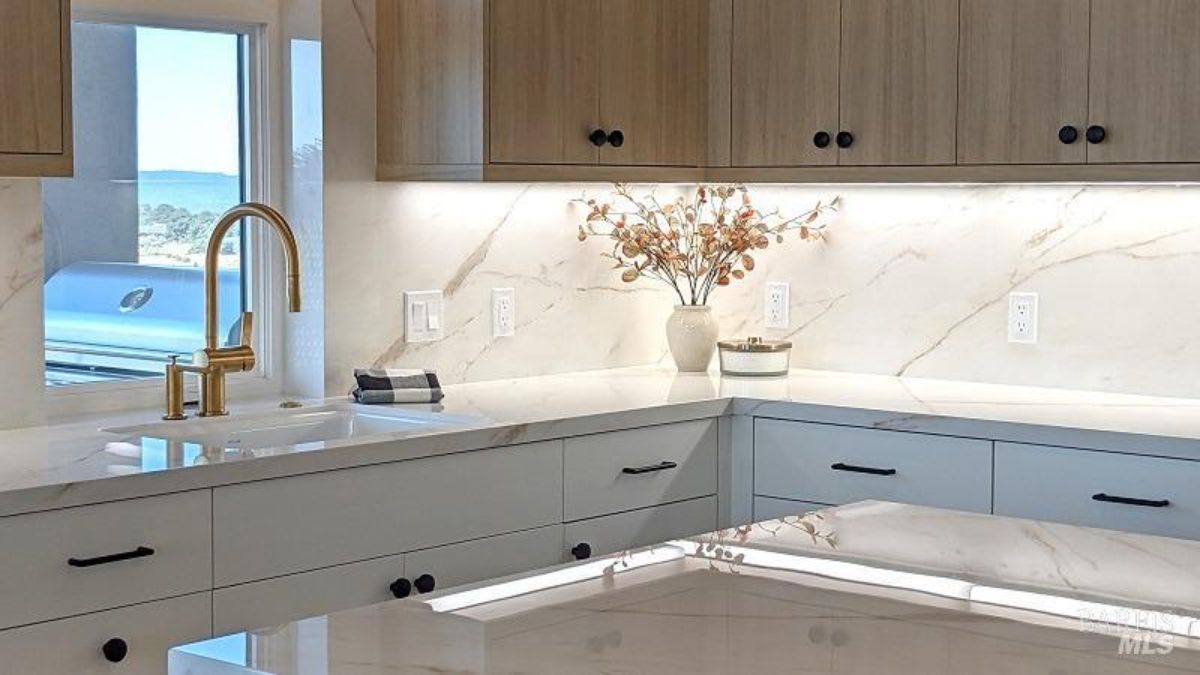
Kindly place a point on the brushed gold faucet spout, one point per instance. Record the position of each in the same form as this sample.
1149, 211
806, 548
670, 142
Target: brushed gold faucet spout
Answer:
214, 361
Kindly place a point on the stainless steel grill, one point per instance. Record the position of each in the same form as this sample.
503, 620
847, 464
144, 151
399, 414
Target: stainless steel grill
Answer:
122, 320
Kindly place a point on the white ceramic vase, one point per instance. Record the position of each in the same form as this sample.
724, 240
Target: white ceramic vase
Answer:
692, 337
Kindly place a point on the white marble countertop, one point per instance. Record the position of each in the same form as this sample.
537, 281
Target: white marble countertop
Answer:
871, 587
57, 466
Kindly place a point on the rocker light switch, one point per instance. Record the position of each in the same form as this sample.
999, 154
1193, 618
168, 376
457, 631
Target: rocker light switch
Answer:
423, 318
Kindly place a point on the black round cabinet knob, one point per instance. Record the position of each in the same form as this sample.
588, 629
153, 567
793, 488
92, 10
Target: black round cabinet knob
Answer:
401, 588
582, 551
115, 650
598, 138
425, 583
1068, 135
845, 139
616, 138
821, 139
1096, 134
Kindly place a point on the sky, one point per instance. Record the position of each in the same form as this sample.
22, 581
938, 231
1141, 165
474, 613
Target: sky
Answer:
187, 101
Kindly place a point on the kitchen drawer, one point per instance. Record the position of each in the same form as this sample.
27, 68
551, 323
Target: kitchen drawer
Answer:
1063, 485
75, 645
838, 465
489, 558
770, 508
276, 527
297, 596
673, 462
624, 531
37, 583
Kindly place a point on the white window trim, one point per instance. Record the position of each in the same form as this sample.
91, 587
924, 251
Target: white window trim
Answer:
264, 263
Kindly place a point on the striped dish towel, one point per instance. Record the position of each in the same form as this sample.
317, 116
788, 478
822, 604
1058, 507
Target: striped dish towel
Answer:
393, 385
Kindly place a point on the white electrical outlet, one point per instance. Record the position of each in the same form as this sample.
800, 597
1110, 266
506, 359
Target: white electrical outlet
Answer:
424, 316
1023, 318
504, 312
777, 304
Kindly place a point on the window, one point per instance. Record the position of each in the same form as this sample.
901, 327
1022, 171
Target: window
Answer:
160, 152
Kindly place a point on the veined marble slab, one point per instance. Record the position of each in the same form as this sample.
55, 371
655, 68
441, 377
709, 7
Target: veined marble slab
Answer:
52, 467
872, 587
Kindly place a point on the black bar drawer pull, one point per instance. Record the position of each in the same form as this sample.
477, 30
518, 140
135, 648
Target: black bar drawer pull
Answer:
661, 466
139, 552
862, 469
1132, 501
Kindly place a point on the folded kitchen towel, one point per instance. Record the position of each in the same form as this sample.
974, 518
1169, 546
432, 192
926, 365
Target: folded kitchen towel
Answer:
393, 385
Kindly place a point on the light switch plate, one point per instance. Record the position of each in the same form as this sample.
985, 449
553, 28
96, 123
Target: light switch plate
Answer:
504, 312
777, 305
424, 316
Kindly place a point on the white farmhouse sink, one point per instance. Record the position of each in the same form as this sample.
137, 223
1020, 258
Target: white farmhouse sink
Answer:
295, 427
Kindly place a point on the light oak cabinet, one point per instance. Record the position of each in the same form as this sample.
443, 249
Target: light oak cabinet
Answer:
785, 65
899, 82
1144, 93
1023, 82
851, 82
35, 88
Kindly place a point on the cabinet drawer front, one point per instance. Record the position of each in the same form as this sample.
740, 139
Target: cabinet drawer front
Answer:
624, 531
75, 645
124, 553
289, 525
770, 508
1092, 488
838, 465
489, 558
627, 470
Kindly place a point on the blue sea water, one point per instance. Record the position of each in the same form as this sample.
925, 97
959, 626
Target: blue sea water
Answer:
196, 192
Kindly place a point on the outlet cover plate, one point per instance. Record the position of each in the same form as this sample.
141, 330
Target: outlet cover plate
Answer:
504, 312
777, 305
424, 316
1023, 318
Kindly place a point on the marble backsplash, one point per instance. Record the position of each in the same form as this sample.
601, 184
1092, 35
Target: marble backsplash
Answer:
21, 347
912, 281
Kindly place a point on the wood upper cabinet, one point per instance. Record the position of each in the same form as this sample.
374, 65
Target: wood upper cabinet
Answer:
429, 82
1145, 91
785, 82
899, 81
652, 84
35, 97
545, 66
1023, 80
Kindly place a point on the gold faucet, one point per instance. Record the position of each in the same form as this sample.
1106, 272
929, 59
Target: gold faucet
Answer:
212, 362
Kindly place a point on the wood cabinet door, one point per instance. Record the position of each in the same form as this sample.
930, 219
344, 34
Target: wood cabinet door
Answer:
899, 81
785, 82
32, 86
652, 81
1023, 77
545, 69
1144, 87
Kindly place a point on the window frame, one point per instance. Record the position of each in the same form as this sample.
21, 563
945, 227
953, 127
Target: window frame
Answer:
262, 259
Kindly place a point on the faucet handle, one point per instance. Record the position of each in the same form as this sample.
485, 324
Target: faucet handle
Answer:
247, 328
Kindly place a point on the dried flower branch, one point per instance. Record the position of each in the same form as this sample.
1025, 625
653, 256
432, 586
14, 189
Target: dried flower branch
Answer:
693, 245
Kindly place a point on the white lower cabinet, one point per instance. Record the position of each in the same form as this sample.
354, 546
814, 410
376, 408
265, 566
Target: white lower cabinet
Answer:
91, 558
770, 508
623, 531
829, 464
297, 596
131, 640
1147, 495
277, 527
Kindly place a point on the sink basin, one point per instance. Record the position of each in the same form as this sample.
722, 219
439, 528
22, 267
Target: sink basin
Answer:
295, 427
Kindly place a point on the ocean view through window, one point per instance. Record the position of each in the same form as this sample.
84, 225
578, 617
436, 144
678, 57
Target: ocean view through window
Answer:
160, 154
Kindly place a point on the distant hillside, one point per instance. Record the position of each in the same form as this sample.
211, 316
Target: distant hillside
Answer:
196, 192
